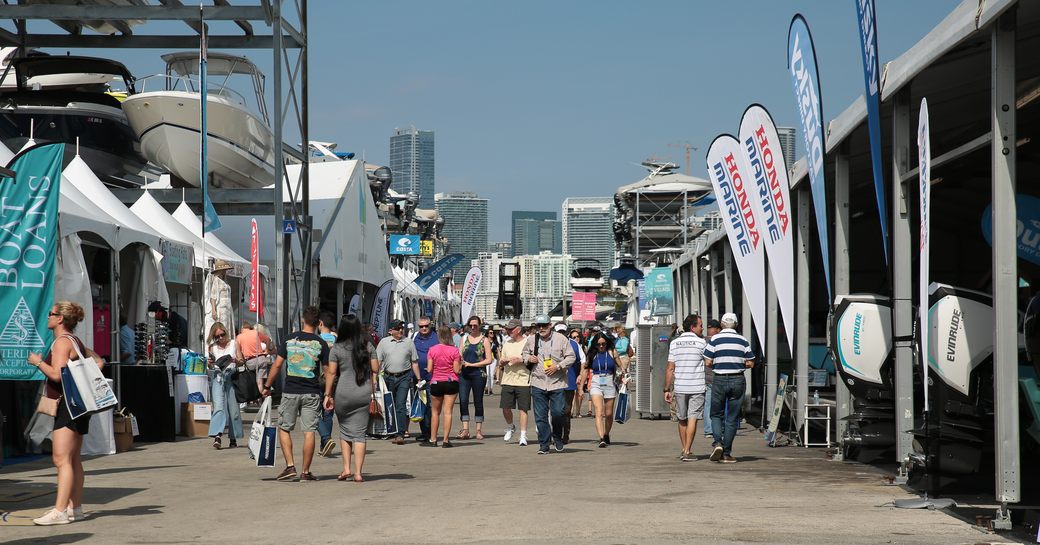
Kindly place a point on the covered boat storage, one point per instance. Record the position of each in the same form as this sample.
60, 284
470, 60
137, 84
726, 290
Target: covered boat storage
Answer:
981, 77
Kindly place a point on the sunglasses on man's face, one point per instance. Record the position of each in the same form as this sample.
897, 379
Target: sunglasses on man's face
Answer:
424, 326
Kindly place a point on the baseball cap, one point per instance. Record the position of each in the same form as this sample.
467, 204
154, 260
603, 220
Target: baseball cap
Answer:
715, 324
396, 324
541, 319
729, 317
560, 327
514, 323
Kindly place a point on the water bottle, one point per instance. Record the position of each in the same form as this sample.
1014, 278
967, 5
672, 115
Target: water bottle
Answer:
816, 397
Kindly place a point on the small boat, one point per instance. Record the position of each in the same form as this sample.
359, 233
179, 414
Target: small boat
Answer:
71, 99
168, 123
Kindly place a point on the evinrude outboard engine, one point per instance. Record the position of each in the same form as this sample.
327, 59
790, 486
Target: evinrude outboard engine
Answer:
960, 362
860, 340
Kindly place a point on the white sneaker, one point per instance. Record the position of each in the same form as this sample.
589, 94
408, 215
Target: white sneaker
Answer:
523, 439
51, 518
75, 514
509, 434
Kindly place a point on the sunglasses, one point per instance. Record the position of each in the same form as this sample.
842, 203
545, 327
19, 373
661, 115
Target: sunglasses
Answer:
55, 314
220, 335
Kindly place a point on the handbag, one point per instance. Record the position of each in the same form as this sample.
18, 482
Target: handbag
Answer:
192, 363
47, 406
263, 437
418, 407
245, 386
373, 408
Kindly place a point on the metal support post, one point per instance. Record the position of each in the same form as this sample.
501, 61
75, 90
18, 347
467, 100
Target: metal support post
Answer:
727, 269
746, 331
1005, 266
902, 274
771, 336
703, 277
339, 300
305, 179
841, 277
281, 241
714, 273
801, 303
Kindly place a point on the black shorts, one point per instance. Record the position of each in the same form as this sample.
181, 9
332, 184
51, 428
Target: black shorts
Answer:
515, 397
80, 425
441, 389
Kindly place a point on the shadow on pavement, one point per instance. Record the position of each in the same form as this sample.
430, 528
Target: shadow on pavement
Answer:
389, 477
62, 538
112, 470
127, 512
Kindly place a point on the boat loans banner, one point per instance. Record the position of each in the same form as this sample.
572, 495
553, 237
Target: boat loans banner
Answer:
771, 202
28, 244
730, 175
469, 292
801, 61
381, 308
437, 270
871, 79
924, 161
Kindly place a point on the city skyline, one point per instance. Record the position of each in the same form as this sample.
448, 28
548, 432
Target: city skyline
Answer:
413, 164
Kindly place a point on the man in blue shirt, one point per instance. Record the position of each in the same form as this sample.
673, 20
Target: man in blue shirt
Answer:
727, 354
424, 339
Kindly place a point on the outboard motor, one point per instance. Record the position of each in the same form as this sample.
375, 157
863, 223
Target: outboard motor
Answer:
960, 363
860, 340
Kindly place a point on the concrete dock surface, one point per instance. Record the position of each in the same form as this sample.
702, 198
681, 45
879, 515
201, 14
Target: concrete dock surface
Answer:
635, 491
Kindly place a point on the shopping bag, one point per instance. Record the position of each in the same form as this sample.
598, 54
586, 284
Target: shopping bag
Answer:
86, 390
390, 423
244, 382
621, 405
193, 363
418, 410
263, 437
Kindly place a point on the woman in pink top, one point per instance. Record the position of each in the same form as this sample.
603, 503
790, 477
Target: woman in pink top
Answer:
443, 363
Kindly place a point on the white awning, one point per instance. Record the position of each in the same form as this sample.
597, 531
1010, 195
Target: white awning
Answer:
148, 209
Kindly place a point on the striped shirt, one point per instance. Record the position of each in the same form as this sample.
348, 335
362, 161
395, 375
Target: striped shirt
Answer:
687, 353
728, 351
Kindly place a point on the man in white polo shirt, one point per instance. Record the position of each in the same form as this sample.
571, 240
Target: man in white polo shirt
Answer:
685, 373
728, 353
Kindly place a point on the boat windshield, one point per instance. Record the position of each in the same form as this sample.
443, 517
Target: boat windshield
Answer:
190, 85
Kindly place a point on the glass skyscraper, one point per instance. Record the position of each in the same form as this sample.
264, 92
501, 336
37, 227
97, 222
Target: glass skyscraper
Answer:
536, 232
411, 161
465, 226
588, 230
788, 143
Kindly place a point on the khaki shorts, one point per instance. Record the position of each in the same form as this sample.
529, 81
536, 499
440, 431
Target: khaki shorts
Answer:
689, 406
306, 406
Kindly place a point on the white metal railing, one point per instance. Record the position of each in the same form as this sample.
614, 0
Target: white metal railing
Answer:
189, 85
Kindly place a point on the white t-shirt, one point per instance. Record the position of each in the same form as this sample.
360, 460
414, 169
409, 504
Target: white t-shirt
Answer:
687, 353
219, 352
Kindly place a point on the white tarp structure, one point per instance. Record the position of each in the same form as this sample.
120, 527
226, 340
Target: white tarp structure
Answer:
215, 247
74, 282
148, 209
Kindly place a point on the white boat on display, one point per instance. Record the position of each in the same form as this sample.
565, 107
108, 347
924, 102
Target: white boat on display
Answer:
168, 123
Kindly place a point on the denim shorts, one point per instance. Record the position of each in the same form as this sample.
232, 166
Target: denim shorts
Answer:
603, 385
306, 406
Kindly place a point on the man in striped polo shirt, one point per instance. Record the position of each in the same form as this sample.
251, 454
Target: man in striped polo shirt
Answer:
686, 373
728, 353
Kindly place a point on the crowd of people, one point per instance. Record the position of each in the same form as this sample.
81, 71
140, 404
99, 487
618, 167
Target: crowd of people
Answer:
343, 368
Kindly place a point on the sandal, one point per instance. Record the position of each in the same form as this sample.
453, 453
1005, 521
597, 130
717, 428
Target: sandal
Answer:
359, 479
407, 435
480, 436
464, 434
344, 476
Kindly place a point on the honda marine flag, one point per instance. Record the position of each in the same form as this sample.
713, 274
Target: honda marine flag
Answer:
256, 301
801, 62
924, 161
771, 200
469, 292
734, 189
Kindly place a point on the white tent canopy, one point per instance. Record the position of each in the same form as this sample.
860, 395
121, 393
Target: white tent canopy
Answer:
148, 209
215, 246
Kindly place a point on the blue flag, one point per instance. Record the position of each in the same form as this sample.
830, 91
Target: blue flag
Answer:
437, 270
28, 245
871, 79
801, 62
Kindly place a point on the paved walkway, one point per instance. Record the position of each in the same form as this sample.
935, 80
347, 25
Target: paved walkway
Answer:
635, 491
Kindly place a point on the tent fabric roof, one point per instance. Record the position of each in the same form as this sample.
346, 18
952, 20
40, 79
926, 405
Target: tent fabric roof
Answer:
191, 222
148, 209
130, 228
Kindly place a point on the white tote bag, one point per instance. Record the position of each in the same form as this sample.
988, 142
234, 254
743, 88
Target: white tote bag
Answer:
263, 437
93, 387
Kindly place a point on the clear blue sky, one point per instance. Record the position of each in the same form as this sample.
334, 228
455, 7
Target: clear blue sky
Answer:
536, 101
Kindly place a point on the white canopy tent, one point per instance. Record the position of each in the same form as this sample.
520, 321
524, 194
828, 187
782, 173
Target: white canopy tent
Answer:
148, 209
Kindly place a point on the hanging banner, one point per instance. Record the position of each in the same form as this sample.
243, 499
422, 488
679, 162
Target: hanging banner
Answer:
771, 203
381, 309
256, 301
355, 305
178, 259
660, 295
924, 162
1027, 231
28, 245
729, 174
404, 245
871, 79
583, 306
801, 61
437, 270
469, 291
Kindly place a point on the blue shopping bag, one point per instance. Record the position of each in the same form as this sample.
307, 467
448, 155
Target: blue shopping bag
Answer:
73, 399
418, 411
389, 409
193, 363
263, 437
621, 412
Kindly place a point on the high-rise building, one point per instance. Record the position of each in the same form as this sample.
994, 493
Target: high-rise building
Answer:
544, 281
788, 143
588, 230
535, 232
505, 248
411, 161
465, 226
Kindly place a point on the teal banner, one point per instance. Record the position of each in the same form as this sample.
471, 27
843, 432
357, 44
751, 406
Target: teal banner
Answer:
660, 298
28, 245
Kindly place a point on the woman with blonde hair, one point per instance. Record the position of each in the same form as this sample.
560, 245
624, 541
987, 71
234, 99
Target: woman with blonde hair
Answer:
67, 439
223, 356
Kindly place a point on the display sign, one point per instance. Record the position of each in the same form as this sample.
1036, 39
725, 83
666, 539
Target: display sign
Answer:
28, 245
404, 244
871, 80
1027, 230
469, 291
177, 262
583, 306
256, 302
778, 408
660, 298
437, 270
426, 248
924, 162
381, 308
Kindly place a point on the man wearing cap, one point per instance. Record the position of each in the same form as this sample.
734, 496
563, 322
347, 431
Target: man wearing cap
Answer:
424, 340
515, 382
398, 363
548, 354
712, 328
685, 373
728, 353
